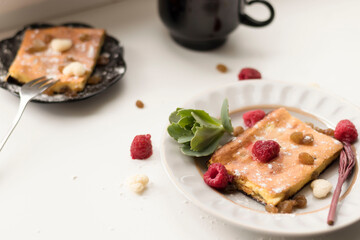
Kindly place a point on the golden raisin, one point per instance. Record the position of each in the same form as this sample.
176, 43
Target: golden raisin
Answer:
297, 137
221, 68
103, 60
37, 46
300, 201
314, 175
238, 130
70, 58
139, 104
64, 89
84, 37
306, 158
328, 131
271, 208
48, 38
61, 68
95, 79
71, 93
308, 139
286, 206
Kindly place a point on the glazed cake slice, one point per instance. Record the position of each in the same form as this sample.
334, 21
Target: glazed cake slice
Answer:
37, 57
277, 180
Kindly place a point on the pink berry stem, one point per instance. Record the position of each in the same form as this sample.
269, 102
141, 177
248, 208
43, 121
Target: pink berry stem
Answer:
346, 164
334, 201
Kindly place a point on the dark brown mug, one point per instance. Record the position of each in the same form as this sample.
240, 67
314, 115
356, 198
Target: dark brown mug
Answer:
205, 24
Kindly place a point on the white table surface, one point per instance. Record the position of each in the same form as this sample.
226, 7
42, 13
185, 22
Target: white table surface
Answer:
314, 42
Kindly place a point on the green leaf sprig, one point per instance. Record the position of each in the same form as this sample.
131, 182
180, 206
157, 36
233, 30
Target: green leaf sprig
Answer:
197, 131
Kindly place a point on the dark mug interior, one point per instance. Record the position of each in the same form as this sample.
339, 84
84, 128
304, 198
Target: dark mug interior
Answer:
205, 24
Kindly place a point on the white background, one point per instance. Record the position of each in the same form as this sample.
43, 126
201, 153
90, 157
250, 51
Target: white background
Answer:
310, 41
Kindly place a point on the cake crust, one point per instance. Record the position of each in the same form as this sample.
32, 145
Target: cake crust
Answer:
282, 177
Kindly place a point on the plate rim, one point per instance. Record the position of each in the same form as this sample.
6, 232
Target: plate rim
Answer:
215, 213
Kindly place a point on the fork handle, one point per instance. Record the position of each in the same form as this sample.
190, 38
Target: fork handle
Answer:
22, 105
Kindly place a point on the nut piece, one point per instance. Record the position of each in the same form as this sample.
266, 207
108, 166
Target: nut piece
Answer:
139, 104
138, 183
306, 158
308, 139
238, 130
321, 188
74, 69
137, 187
221, 68
60, 44
297, 137
37, 46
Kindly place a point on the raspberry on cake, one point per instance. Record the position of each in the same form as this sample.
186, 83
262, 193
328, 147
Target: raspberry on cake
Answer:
58, 53
217, 177
274, 181
265, 151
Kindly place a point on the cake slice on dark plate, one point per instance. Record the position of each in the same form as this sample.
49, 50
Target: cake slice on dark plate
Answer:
65, 53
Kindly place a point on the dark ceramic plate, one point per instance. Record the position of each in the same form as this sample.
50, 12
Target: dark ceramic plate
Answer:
111, 72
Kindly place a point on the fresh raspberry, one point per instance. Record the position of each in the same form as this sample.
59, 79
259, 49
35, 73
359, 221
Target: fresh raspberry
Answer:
345, 131
252, 117
249, 73
216, 176
264, 151
141, 147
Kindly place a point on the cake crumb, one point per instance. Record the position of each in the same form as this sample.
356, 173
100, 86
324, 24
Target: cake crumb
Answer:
137, 183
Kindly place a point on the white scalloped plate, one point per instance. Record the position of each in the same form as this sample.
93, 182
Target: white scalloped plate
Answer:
306, 103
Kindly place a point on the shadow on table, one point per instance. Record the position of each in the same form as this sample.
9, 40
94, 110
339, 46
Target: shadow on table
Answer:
85, 107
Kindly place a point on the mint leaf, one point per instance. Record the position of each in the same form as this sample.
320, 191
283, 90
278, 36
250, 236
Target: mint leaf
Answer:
178, 133
199, 132
225, 118
185, 139
185, 149
194, 127
204, 136
174, 117
186, 122
202, 116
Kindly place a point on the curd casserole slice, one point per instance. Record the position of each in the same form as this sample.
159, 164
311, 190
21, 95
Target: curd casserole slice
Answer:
64, 53
277, 180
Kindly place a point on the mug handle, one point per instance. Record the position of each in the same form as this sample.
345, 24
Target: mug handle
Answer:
247, 20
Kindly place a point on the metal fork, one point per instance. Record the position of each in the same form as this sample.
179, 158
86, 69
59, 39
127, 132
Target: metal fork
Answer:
27, 92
